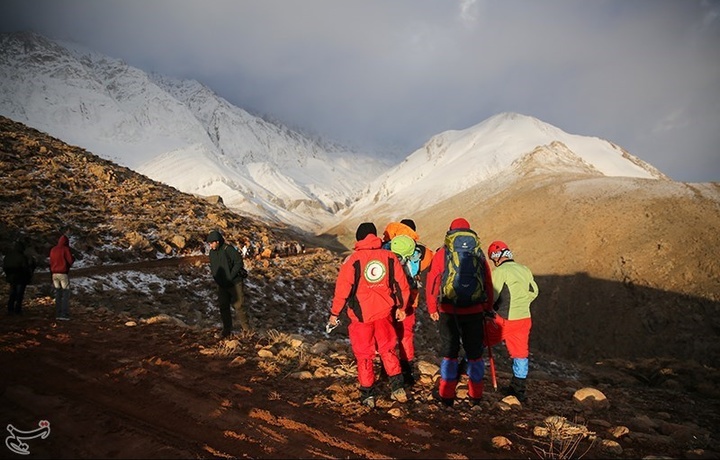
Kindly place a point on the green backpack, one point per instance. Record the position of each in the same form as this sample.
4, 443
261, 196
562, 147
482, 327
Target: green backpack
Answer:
463, 280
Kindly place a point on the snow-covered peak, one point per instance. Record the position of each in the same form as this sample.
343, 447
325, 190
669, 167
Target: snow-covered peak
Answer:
456, 160
181, 133
176, 131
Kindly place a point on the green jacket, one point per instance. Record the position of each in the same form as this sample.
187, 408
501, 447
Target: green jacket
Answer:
226, 265
515, 289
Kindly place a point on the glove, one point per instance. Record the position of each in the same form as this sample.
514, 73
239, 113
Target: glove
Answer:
330, 326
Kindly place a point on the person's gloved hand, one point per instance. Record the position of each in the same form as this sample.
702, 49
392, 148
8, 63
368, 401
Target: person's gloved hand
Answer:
332, 323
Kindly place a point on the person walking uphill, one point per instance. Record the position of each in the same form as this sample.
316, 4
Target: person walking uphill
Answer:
18, 268
228, 270
458, 293
372, 285
61, 259
415, 263
514, 288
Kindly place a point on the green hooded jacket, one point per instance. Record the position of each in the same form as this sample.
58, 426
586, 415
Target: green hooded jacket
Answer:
226, 263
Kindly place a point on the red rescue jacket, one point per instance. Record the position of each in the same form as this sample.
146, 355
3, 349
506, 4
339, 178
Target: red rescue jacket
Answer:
371, 283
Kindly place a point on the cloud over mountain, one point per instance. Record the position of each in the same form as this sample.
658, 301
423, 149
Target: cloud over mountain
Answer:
177, 132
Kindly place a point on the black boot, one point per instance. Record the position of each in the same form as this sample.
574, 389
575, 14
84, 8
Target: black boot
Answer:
397, 392
367, 397
517, 388
407, 372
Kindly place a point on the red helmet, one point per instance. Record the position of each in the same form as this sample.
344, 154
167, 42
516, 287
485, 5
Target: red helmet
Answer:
498, 249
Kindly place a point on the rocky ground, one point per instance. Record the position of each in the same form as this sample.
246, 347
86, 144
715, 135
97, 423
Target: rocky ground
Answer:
125, 380
138, 373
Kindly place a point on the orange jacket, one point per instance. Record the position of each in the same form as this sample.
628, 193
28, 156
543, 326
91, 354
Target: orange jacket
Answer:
394, 229
371, 283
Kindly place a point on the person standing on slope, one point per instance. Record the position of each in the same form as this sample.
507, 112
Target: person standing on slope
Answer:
458, 293
415, 264
18, 268
228, 270
61, 259
372, 285
514, 288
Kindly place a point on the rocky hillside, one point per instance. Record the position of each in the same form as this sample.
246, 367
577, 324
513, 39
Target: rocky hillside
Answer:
626, 266
137, 372
163, 127
112, 214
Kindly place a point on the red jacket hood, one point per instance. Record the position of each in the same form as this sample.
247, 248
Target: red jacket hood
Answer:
370, 242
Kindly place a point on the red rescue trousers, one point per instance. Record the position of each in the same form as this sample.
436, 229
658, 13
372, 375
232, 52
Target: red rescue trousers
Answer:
515, 333
367, 339
405, 331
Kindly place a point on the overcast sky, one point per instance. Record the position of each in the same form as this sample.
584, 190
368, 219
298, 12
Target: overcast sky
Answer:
644, 74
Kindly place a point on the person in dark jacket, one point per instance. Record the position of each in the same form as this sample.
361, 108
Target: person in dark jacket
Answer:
61, 259
228, 271
19, 269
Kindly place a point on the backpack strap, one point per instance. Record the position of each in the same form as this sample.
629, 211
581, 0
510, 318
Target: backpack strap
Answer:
352, 301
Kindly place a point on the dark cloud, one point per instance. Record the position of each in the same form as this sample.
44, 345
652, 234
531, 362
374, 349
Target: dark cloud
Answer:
642, 74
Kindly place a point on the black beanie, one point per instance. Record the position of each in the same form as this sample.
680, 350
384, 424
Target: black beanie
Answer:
365, 229
409, 222
215, 236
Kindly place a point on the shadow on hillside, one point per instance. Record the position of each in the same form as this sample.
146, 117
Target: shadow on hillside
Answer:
585, 319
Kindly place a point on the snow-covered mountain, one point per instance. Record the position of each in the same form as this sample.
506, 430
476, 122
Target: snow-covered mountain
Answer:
455, 161
177, 132
181, 133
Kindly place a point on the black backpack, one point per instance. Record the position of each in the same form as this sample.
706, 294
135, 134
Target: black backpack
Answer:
463, 280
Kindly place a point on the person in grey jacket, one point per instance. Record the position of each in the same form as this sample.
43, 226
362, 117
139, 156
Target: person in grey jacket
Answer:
228, 271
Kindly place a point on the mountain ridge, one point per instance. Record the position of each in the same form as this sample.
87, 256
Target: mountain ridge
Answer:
120, 112
164, 127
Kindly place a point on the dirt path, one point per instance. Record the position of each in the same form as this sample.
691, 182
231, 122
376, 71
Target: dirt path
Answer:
44, 276
111, 388
148, 391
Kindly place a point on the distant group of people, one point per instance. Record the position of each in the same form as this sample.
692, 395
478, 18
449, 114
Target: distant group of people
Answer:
226, 265
19, 267
378, 286
252, 249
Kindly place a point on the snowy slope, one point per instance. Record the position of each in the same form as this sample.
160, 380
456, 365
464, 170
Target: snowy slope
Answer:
454, 161
177, 132
181, 133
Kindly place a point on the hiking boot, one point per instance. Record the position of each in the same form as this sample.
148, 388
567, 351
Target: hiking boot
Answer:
222, 334
516, 388
447, 402
399, 395
407, 373
366, 397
